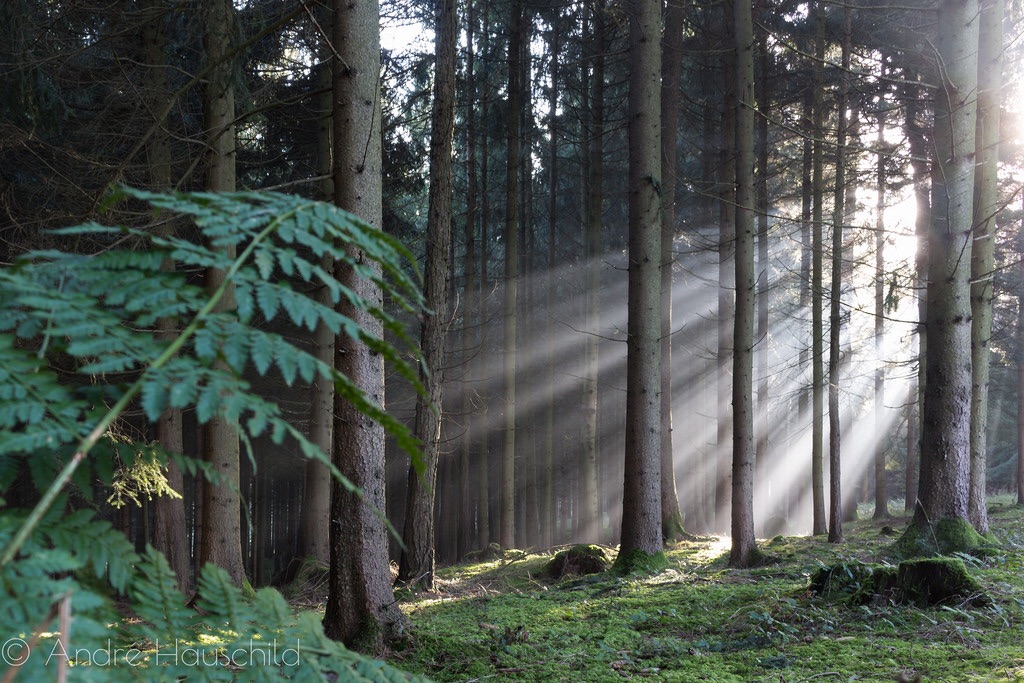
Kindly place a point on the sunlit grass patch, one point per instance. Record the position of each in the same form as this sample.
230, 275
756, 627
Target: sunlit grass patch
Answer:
699, 620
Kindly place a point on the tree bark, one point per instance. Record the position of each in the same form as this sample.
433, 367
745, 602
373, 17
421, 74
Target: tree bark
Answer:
817, 299
881, 493
986, 198
945, 447
417, 562
314, 530
743, 552
726, 289
222, 527
835, 527
470, 462
593, 205
671, 516
507, 532
361, 610
170, 532
920, 163
1020, 391
641, 504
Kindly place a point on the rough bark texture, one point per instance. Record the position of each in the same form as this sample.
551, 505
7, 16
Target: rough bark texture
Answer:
671, 516
881, 493
1020, 392
507, 530
594, 180
170, 525
744, 551
817, 299
641, 504
945, 438
316, 494
986, 186
361, 609
835, 498
222, 530
469, 467
920, 162
417, 563
726, 296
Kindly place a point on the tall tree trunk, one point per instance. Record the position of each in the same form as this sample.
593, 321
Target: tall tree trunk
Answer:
671, 517
593, 181
817, 298
170, 533
641, 501
881, 493
835, 527
726, 289
222, 529
804, 401
986, 186
470, 461
316, 494
487, 519
762, 425
945, 447
513, 122
920, 164
547, 483
1020, 387
417, 562
361, 610
744, 551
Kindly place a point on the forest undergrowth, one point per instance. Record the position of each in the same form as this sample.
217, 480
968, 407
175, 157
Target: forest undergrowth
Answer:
699, 620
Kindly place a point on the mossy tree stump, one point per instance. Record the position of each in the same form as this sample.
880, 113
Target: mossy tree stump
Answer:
944, 537
925, 581
578, 560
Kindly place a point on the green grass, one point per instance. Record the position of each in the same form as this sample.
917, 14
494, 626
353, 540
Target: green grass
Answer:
698, 620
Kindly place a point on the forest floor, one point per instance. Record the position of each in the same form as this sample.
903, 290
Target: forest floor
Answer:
699, 620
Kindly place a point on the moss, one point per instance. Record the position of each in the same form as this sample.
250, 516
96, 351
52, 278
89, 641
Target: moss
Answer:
939, 580
925, 582
640, 561
858, 583
578, 560
944, 537
672, 529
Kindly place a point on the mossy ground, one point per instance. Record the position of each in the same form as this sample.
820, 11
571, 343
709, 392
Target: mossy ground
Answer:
699, 620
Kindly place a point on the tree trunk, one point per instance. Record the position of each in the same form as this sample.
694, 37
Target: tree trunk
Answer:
945, 447
726, 292
671, 517
417, 563
744, 551
641, 503
763, 430
804, 411
1020, 390
222, 529
170, 533
470, 460
986, 198
817, 298
835, 527
881, 493
316, 494
589, 503
547, 483
507, 534
361, 610
920, 163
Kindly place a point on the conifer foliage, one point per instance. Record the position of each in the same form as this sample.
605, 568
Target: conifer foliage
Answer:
78, 347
